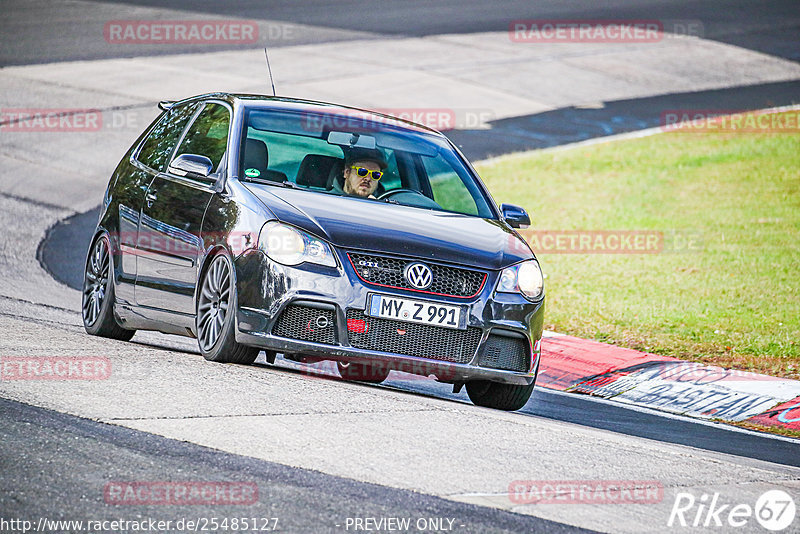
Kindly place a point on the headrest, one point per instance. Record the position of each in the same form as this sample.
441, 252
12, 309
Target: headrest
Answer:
256, 155
315, 169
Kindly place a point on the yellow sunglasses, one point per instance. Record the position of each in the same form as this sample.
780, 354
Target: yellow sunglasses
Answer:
362, 171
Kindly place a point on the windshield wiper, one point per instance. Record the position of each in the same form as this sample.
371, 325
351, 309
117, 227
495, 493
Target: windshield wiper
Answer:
287, 183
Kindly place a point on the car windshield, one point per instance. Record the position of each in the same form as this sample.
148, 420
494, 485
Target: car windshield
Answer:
308, 150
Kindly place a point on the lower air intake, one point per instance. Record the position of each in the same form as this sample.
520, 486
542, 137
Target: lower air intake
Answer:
307, 323
506, 353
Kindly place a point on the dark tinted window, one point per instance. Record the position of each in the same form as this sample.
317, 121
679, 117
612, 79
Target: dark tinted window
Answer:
208, 135
422, 169
158, 146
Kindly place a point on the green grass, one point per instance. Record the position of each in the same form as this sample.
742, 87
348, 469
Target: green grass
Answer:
781, 431
731, 300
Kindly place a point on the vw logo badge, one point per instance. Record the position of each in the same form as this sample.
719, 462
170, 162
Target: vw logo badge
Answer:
419, 275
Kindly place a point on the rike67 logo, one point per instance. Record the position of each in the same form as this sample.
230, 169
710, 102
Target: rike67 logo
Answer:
774, 510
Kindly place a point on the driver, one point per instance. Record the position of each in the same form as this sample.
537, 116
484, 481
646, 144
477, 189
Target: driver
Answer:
363, 168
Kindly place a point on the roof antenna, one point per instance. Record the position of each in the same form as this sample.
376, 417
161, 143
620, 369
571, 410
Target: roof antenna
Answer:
270, 72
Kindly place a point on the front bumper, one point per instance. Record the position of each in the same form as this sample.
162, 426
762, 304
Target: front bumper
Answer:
267, 289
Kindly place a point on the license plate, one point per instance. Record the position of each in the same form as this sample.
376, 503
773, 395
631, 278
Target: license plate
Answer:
417, 311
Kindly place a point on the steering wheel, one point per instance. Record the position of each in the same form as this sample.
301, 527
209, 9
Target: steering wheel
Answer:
391, 193
409, 197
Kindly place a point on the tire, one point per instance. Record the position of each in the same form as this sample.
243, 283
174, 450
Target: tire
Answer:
215, 320
361, 372
97, 303
508, 397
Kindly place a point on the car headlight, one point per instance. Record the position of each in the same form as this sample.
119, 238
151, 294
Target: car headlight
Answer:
525, 278
290, 246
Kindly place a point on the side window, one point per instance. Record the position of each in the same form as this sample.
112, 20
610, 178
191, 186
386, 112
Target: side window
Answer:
449, 190
208, 135
159, 144
285, 152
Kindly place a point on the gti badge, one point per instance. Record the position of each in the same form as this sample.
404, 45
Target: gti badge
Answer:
419, 275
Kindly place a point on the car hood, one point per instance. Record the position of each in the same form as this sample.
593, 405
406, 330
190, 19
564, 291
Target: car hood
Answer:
361, 224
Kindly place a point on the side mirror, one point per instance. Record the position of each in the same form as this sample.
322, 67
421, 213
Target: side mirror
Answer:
516, 216
191, 166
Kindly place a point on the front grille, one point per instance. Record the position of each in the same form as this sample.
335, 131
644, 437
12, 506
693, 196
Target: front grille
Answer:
388, 271
504, 352
420, 340
307, 324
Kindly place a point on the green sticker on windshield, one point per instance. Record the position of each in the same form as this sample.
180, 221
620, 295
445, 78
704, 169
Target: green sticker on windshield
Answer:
252, 173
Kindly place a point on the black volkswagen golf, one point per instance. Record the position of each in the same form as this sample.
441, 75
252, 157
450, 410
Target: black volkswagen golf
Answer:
319, 232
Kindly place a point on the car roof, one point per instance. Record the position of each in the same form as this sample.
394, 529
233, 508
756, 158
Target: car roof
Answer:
256, 101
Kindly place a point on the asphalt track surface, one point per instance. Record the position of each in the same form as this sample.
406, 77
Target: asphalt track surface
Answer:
61, 463
50, 459
36, 31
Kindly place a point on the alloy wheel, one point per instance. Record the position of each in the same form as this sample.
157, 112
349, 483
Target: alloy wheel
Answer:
94, 285
213, 303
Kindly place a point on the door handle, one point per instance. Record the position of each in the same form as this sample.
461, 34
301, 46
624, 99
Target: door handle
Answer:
150, 198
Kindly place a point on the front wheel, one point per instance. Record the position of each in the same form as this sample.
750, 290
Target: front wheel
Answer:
216, 311
508, 397
97, 306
